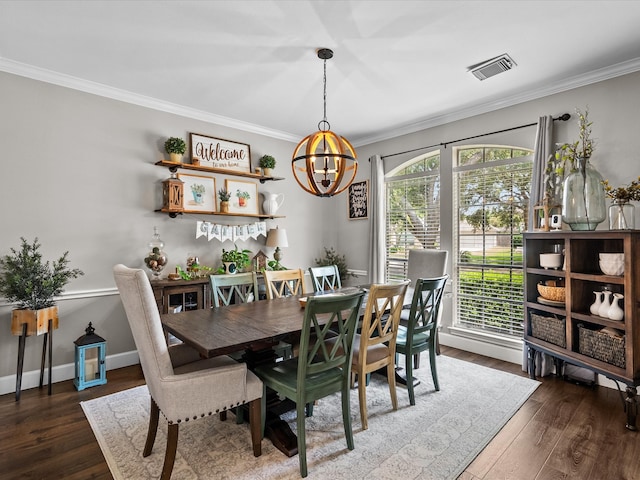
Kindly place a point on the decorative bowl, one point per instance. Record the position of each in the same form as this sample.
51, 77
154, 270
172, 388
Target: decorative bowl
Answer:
555, 294
551, 260
612, 263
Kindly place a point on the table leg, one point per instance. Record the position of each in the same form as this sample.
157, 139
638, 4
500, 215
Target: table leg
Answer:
21, 342
276, 429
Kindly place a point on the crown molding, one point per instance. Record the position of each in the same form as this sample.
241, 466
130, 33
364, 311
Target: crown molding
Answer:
102, 90
571, 83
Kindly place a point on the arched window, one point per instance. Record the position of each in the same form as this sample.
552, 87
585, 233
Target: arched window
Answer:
413, 211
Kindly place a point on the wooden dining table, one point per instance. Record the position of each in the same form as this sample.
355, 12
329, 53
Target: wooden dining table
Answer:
252, 328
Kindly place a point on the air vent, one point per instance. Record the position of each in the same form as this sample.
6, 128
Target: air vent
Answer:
492, 67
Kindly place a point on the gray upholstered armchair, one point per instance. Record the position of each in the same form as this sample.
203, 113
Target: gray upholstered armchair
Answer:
182, 386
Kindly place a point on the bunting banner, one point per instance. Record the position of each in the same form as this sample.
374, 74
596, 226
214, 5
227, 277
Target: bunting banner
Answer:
232, 233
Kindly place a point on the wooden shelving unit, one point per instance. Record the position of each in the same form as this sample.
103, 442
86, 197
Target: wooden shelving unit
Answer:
582, 278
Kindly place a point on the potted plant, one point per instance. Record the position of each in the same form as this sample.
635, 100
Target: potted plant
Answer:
33, 284
235, 260
267, 162
243, 196
331, 257
175, 147
224, 195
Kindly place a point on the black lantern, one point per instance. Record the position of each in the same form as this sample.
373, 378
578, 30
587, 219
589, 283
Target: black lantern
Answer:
91, 351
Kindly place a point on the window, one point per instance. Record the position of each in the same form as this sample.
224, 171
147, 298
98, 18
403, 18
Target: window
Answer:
491, 207
413, 211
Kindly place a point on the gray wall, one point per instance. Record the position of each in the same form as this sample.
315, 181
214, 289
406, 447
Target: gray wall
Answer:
613, 107
78, 173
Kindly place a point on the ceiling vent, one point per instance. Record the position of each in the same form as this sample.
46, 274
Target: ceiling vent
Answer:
492, 67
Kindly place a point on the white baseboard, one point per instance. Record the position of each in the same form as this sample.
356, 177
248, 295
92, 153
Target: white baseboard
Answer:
481, 348
61, 373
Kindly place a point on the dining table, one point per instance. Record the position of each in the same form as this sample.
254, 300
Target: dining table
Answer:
251, 329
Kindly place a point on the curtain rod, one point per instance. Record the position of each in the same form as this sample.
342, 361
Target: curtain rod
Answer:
564, 117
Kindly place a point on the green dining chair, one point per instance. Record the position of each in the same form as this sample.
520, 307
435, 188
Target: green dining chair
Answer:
321, 368
419, 334
325, 278
234, 288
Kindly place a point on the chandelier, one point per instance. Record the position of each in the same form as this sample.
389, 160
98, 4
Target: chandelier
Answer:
324, 164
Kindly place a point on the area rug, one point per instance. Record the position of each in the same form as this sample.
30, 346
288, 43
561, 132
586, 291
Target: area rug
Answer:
435, 439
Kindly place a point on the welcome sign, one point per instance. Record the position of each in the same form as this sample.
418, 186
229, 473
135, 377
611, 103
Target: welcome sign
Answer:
220, 154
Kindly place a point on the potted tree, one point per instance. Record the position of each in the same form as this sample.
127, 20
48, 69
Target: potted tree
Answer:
235, 260
224, 195
33, 284
267, 162
175, 147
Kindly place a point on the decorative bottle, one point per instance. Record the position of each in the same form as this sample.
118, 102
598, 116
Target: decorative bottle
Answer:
615, 311
583, 197
606, 303
156, 259
595, 306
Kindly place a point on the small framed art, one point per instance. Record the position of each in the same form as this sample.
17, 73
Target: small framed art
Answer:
244, 197
358, 200
199, 193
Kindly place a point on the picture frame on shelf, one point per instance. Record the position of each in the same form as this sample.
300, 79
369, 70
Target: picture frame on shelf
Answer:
244, 197
220, 154
199, 193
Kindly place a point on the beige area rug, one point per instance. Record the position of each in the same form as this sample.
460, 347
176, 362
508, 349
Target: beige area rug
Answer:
435, 439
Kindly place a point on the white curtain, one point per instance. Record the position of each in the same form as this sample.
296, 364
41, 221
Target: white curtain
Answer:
543, 147
376, 225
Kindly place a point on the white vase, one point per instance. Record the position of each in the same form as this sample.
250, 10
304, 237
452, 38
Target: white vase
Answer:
595, 306
606, 303
272, 202
615, 311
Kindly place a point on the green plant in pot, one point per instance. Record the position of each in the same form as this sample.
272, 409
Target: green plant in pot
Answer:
235, 260
268, 163
33, 283
224, 196
175, 147
331, 257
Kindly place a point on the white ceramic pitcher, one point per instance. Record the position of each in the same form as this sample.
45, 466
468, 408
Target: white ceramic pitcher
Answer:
272, 202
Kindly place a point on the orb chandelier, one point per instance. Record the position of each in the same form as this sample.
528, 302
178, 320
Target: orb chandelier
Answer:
324, 163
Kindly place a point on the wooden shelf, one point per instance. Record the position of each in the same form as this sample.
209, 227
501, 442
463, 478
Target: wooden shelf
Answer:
582, 278
259, 215
173, 167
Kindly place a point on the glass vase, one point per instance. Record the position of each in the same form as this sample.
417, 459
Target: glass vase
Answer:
621, 215
156, 259
583, 198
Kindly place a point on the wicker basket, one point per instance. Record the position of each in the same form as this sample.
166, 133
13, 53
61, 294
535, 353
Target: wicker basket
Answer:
602, 346
549, 329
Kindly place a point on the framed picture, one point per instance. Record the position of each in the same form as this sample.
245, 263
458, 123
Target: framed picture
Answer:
244, 197
219, 153
198, 193
358, 200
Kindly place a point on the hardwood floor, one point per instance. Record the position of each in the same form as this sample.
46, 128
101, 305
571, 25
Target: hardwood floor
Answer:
564, 431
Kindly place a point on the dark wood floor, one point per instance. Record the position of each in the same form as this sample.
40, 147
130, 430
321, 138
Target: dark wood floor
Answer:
564, 431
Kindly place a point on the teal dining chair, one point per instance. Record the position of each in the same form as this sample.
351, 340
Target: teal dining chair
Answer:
325, 278
234, 288
322, 367
419, 334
